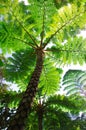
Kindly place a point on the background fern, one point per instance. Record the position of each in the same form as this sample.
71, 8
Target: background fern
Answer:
74, 81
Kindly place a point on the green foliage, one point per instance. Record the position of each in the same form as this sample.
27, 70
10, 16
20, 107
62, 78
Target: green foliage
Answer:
77, 54
63, 103
73, 51
55, 113
48, 82
60, 3
66, 22
55, 109
74, 82
41, 12
59, 120
1, 63
42, 21
24, 29
42, 18
7, 38
20, 65
10, 99
3, 85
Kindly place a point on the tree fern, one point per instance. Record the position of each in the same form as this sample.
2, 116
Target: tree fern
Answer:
33, 27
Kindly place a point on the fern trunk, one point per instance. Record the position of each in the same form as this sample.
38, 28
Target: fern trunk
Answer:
18, 121
40, 118
40, 113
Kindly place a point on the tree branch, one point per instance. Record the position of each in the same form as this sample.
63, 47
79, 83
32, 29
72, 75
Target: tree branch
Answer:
65, 24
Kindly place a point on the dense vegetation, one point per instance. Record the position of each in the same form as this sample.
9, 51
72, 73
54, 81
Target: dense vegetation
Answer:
36, 41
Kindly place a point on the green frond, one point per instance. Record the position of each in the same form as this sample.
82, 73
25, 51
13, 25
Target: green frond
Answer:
40, 21
71, 74
18, 18
70, 87
50, 78
74, 81
8, 42
30, 20
20, 66
68, 81
73, 51
82, 78
1, 63
72, 91
62, 102
67, 22
33, 122
38, 8
54, 122
10, 98
60, 3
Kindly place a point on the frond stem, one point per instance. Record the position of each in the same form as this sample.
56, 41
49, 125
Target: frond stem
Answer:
58, 63
42, 33
24, 42
76, 51
26, 31
65, 24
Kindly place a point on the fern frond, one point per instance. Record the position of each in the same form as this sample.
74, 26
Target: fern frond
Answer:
11, 98
20, 65
48, 80
61, 102
74, 81
73, 51
67, 17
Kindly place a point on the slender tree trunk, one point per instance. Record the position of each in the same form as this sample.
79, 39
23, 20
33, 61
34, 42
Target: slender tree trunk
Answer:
18, 121
40, 117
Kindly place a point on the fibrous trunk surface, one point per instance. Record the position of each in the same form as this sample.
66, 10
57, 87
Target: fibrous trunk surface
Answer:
40, 111
18, 121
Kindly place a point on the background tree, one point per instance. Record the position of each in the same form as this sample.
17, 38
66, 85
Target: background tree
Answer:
27, 32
